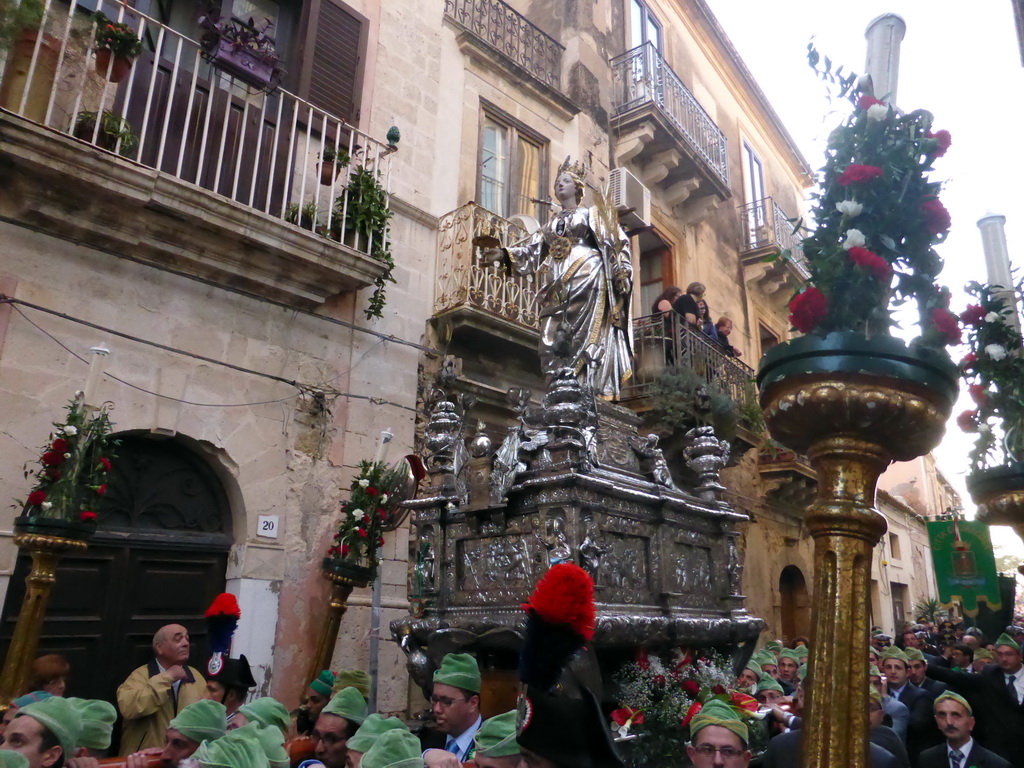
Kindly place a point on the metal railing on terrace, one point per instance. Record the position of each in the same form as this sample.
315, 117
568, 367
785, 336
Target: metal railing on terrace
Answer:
500, 26
764, 224
642, 76
464, 279
663, 342
174, 112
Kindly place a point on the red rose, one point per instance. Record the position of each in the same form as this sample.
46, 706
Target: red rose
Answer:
937, 218
969, 359
361, 532
855, 173
968, 421
344, 550
866, 101
52, 458
53, 474
380, 512
87, 516
944, 140
372, 491
36, 498
945, 323
807, 309
718, 689
627, 715
380, 541
102, 489
690, 687
978, 394
872, 262
974, 316
105, 462
60, 445
693, 710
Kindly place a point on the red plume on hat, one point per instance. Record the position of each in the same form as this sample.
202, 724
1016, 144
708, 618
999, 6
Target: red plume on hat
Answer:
221, 621
561, 617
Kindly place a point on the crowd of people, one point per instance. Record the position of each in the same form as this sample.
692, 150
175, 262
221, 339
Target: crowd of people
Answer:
691, 307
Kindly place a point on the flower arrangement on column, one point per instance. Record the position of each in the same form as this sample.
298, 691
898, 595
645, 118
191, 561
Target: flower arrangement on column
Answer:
848, 393
994, 371
68, 481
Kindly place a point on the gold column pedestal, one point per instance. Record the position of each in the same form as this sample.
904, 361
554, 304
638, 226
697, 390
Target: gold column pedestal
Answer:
45, 551
341, 588
851, 426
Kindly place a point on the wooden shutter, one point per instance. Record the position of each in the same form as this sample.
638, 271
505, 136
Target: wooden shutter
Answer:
332, 82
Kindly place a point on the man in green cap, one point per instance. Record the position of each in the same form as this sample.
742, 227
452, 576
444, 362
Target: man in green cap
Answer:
917, 668
372, 727
496, 745
353, 678
455, 700
789, 663
232, 751
769, 691
264, 711
718, 737
394, 749
768, 663
955, 719
338, 721
921, 730
203, 721
995, 695
982, 658
320, 691
748, 678
270, 740
45, 732
97, 725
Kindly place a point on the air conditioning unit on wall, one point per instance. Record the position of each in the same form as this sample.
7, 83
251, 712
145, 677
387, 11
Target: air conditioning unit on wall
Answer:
631, 198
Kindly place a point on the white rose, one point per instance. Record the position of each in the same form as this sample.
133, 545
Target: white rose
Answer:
849, 208
70, 430
358, 514
878, 112
992, 317
67, 455
383, 498
995, 351
364, 483
984, 428
46, 505
854, 239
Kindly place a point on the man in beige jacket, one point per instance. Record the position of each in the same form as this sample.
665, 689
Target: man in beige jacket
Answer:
156, 692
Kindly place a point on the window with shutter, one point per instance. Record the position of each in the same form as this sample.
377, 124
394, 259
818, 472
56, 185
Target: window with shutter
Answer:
335, 60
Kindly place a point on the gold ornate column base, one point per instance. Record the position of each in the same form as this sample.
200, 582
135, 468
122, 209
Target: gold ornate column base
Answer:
45, 551
851, 428
342, 584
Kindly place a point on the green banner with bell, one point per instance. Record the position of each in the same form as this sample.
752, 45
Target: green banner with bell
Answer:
965, 568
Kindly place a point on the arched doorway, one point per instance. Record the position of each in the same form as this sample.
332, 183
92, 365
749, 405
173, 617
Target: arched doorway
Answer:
796, 615
159, 556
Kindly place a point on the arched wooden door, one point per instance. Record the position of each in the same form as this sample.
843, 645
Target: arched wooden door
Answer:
159, 556
796, 614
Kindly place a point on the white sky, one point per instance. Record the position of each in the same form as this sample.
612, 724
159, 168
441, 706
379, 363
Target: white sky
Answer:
958, 60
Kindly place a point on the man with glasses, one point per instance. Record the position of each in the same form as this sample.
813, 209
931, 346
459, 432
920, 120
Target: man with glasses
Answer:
337, 722
718, 737
455, 701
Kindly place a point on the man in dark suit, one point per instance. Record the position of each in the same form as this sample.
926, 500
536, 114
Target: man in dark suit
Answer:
917, 672
955, 719
921, 730
997, 707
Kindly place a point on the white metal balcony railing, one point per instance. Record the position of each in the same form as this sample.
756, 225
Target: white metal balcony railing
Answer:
176, 113
464, 279
663, 342
764, 225
641, 76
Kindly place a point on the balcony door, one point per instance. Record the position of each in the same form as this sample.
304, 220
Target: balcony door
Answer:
644, 26
756, 217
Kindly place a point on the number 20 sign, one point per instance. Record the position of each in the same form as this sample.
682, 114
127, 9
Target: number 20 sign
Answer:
266, 526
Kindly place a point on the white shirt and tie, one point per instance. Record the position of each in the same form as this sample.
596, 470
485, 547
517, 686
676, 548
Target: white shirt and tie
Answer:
461, 744
1015, 684
958, 757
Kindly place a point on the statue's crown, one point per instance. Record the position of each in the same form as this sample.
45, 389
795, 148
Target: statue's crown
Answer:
578, 171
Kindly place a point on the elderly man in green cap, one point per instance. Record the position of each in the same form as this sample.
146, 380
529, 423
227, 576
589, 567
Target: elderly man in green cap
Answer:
718, 737
455, 700
955, 719
996, 695
374, 726
496, 745
337, 723
46, 732
203, 721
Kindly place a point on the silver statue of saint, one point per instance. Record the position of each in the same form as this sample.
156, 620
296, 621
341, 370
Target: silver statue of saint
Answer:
582, 257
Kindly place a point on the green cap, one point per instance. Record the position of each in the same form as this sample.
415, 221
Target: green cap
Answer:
497, 736
394, 749
348, 703
372, 727
1005, 639
755, 667
802, 672
717, 712
872, 651
955, 697
892, 652
324, 683
984, 654
789, 653
232, 751
874, 671
11, 759
765, 657
267, 711
60, 718
270, 739
97, 722
459, 670
874, 694
353, 678
913, 654
204, 720
768, 683
802, 651
774, 646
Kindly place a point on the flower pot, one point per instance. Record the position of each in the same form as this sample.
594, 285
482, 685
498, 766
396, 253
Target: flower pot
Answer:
48, 526
245, 65
115, 72
341, 571
15, 78
84, 131
328, 173
999, 494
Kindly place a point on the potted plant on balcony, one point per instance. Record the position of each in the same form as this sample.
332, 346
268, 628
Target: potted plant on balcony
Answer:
333, 159
21, 28
117, 45
115, 133
241, 49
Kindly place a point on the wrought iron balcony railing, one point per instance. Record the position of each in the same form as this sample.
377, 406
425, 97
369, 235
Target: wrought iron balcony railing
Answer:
667, 341
501, 27
764, 225
176, 113
641, 76
465, 280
